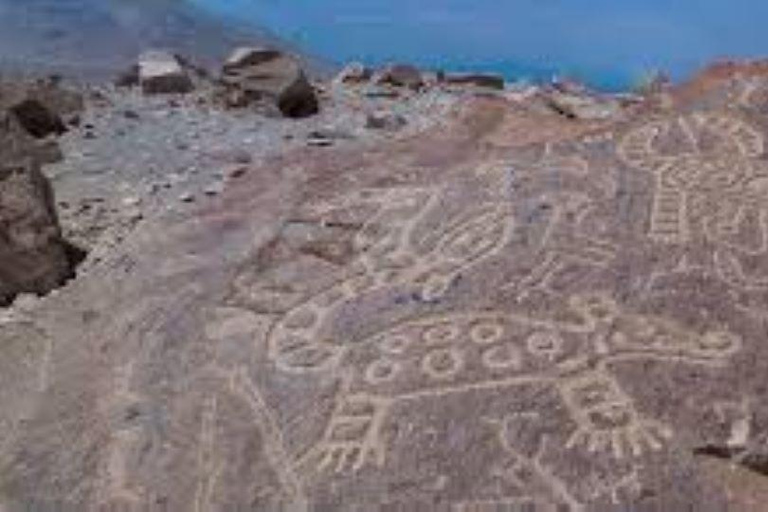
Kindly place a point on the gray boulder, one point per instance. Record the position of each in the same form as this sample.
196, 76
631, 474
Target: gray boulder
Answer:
162, 72
33, 256
268, 77
488, 80
583, 106
400, 75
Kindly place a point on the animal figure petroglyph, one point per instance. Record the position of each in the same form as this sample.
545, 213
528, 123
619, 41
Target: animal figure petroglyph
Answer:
435, 357
710, 190
389, 256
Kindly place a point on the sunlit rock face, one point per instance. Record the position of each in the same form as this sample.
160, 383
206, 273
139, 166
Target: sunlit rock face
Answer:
33, 256
511, 310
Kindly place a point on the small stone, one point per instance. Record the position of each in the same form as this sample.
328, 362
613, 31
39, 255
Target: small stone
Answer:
384, 120
354, 73
319, 142
377, 91
186, 197
131, 114
131, 201
134, 216
213, 190
237, 172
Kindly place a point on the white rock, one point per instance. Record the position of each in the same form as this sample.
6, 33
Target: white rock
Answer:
161, 72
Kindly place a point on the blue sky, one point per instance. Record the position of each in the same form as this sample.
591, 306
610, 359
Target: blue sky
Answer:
610, 42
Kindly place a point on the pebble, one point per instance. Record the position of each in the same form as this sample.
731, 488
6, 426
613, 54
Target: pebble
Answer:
236, 172
213, 190
186, 198
319, 142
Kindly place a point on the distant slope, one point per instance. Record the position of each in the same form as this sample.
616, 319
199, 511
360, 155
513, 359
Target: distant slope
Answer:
93, 39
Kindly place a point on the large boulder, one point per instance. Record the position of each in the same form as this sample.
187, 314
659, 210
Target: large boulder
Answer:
162, 72
268, 77
488, 80
41, 107
458, 320
399, 75
584, 106
33, 256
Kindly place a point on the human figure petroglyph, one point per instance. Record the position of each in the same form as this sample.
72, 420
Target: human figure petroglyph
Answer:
240, 384
115, 487
711, 190
435, 357
524, 468
564, 243
209, 467
389, 256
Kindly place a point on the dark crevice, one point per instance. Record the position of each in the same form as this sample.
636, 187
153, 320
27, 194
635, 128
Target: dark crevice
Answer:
754, 462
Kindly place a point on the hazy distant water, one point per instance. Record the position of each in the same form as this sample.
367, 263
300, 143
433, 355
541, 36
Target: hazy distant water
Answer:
610, 43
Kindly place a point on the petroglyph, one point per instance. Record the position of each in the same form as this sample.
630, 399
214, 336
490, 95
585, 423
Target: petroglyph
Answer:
444, 355
352, 437
209, 467
115, 487
716, 166
527, 472
242, 385
388, 257
713, 189
607, 419
565, 243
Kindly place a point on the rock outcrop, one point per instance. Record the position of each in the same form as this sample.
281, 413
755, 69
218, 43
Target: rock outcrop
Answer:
510, 310
267, 77
33, 256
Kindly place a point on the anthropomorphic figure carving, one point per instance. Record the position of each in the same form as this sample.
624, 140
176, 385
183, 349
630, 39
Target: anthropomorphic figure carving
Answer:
711, 189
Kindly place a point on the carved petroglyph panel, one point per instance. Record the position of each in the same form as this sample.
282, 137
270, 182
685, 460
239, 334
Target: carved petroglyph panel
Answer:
371, 392
710, 184
389, 256
441, 357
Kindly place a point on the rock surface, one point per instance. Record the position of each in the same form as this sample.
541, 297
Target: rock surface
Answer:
505, 309
33, 256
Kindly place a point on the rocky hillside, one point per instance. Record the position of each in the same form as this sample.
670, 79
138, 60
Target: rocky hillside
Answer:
433, 294
92, 39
